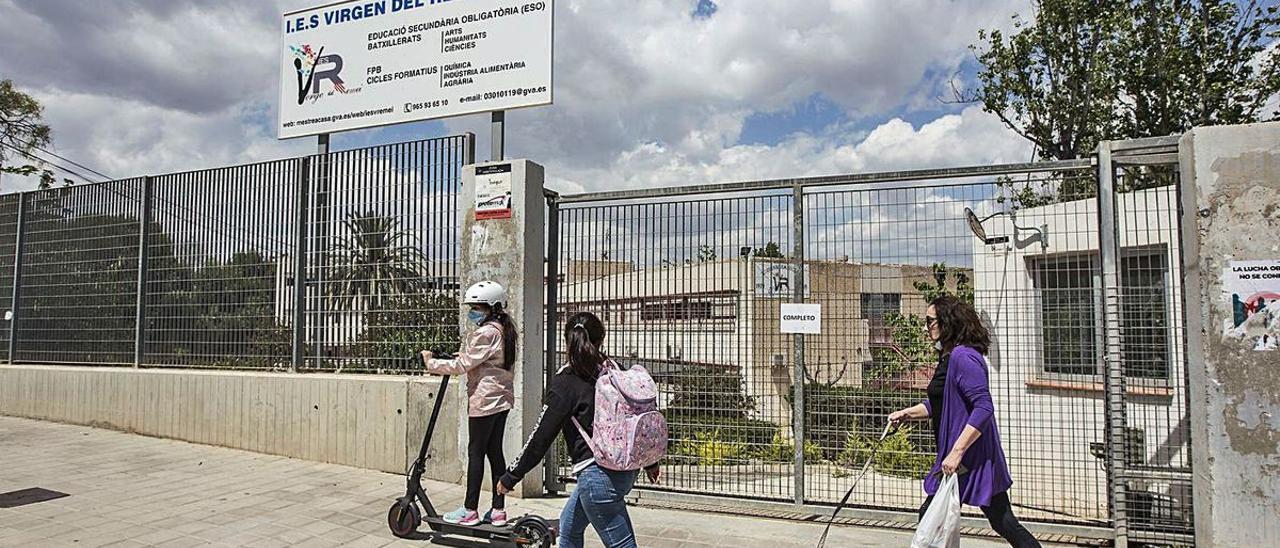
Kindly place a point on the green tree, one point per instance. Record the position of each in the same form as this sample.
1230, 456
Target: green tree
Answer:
374, 262
22, 133
1082, 71
706, 253
79, 280
221, 312
770, 250
910, 347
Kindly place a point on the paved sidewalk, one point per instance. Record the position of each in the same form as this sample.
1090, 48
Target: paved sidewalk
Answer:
129, 490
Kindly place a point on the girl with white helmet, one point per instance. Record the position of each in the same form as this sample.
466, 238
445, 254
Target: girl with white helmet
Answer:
487, 358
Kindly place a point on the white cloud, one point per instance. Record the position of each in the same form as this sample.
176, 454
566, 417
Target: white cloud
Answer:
646, 94
969, 138
630, 74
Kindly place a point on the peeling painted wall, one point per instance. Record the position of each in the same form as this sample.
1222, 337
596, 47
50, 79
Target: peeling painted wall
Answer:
1231, 205
510, 252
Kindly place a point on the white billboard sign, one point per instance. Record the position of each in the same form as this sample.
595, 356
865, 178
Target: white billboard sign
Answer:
365, 63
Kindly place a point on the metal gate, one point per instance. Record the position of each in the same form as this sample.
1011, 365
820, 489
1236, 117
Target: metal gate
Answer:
1074, 265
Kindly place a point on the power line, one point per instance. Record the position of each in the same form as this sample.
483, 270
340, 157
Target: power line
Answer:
79, 165
234, 234
54, 164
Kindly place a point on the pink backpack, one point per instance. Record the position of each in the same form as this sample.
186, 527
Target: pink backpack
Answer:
629, 431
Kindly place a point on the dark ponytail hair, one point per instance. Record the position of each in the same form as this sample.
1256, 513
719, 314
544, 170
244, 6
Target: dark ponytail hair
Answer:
509, 334
583, 335
959, 325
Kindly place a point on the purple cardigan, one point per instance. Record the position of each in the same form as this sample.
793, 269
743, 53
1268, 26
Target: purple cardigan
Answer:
966, 400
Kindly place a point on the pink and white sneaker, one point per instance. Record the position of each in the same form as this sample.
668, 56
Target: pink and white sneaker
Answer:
496, 516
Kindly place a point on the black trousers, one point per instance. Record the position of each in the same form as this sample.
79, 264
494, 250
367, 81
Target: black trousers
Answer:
485, 440
1000, 514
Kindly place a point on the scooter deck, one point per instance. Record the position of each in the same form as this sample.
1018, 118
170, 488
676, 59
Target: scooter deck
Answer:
483, 530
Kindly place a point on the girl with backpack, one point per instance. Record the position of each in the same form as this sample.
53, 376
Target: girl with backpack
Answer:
606, 469
486, 358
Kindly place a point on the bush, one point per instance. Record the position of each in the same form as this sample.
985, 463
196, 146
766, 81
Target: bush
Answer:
784, 450
897, 456
395, 334
707, 417
709, 392
710, 449
834, 412
683, 426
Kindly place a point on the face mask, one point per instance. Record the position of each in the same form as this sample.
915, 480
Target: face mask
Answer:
476, 317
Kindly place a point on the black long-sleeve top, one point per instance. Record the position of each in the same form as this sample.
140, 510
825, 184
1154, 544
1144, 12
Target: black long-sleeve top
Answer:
569, 396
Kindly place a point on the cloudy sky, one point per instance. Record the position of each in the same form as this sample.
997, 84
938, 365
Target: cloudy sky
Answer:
661, 92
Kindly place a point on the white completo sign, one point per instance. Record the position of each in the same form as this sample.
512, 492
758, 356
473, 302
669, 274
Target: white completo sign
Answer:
801, 318
493, 192
364, 63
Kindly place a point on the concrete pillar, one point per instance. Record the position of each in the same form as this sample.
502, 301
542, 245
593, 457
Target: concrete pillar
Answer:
1231, 205
507, 245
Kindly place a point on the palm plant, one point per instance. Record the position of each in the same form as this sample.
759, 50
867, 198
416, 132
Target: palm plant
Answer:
375, 262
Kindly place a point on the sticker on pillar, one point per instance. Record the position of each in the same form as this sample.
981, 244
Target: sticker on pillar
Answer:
493, 192
801, 318
1252, 288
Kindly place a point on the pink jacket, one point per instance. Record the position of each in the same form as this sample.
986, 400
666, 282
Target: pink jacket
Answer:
490, 387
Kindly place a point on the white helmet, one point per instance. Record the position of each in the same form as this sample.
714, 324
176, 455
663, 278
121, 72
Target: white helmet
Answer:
486, 293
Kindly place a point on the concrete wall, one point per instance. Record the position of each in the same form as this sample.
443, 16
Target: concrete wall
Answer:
365, 421
1233, 214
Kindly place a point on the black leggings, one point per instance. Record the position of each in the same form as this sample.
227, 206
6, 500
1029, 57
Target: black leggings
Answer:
1000, 514
485, 440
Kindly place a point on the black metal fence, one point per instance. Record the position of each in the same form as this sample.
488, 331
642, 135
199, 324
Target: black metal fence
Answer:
347, 262
1086, 369
201, 269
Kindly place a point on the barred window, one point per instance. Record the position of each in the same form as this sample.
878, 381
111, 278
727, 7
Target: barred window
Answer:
1070, 296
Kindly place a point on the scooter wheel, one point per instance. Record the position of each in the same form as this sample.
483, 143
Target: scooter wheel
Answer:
532, 532
404, 519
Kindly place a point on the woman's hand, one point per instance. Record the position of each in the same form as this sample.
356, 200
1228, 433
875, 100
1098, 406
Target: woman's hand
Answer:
426, 356
654, 474
952, 462
917, 411
503, 489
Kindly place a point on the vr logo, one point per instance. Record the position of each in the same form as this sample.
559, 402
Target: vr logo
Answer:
310, 83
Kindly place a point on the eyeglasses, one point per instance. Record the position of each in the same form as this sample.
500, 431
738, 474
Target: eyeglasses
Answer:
930, 321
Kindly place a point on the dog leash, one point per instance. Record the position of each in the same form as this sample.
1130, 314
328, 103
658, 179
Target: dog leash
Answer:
867, 466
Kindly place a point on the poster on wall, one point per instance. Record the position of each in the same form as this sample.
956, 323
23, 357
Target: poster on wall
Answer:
1253, 290
365, 63
493, 192
777, 280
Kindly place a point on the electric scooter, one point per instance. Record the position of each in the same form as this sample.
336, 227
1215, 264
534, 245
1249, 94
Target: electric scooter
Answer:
405, 516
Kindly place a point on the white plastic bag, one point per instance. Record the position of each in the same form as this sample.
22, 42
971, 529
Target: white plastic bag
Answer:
940, 526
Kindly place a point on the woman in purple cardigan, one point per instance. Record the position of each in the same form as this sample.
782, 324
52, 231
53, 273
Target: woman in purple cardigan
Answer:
959, 406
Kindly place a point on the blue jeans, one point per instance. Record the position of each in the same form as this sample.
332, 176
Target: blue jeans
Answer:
598, 500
